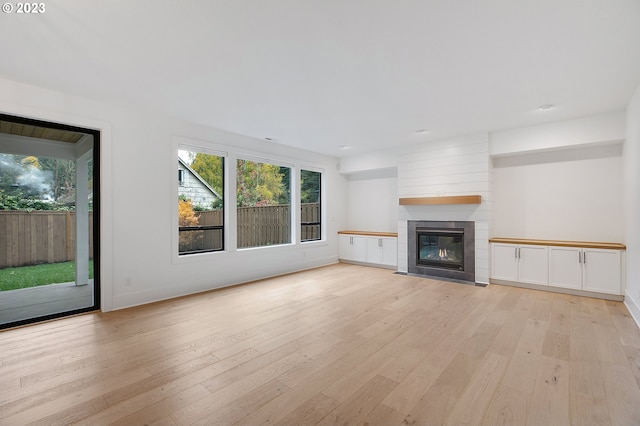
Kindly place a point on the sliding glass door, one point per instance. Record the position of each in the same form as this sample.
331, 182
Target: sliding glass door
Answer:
49, 220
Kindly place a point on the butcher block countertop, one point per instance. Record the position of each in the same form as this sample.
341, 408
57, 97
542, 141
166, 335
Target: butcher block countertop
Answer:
370, 233
560, 243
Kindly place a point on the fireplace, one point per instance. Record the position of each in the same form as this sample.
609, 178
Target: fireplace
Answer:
442, 249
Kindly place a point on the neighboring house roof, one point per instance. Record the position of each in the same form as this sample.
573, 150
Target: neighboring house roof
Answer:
197, 176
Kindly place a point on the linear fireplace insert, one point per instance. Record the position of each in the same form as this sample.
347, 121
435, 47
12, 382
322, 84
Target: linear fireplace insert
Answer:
442, 248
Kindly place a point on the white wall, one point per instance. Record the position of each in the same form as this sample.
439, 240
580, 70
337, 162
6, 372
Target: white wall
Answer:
560, 180
560, 195
137, 235
563, 134
451, 167
632, 205
372, 203
369, 162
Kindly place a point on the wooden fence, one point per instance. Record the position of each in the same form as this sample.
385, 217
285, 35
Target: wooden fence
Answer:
257, 226
33, 237
263, 226
271, 225
30, 238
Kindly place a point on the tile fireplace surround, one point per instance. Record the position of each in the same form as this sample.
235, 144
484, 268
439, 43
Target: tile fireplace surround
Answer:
467, 274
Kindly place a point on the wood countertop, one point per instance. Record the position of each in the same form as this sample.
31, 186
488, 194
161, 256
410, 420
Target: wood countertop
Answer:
560, 243
370, 233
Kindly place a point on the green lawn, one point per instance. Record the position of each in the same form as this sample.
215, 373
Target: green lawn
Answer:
33, 276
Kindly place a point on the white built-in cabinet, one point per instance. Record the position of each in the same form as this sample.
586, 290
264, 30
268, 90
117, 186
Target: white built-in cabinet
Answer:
352, 247
521, 263
382, 250
588, 269
561, 265
374, 248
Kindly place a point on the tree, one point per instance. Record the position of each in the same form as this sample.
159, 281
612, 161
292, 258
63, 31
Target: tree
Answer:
187, 217
309, 186
259, 184
186, 214
10, 169
31, 161
24, 175
211, 169
285, 195
64, 177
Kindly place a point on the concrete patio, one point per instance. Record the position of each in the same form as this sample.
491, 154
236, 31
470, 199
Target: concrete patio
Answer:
16, 305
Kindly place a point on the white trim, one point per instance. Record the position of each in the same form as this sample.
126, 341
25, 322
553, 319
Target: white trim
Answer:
633, 308
207, 147
562, 290
231, 155
106, 190
145, 297
266, 160
194, 145
323, 207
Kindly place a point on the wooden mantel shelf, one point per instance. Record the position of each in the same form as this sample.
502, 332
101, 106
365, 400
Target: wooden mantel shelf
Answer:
457, 199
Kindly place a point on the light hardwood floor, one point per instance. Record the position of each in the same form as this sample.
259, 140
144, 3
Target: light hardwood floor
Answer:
342, 344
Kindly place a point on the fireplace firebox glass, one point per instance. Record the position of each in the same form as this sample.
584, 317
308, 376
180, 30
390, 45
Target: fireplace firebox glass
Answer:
440, 248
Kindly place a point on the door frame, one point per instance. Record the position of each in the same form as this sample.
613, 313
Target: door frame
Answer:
97, 209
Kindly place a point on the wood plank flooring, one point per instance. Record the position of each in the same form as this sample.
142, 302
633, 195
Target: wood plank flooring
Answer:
343, 344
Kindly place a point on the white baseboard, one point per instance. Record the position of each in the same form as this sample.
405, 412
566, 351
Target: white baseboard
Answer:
605, 296
633, 308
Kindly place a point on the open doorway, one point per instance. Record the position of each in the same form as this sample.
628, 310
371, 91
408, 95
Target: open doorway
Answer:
49, 220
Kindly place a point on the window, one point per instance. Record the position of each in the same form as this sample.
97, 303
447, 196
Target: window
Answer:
200, 202
263, 195
310, 217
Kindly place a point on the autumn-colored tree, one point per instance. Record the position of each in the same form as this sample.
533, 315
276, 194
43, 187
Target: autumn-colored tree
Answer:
187, 217
186, 214
31, 161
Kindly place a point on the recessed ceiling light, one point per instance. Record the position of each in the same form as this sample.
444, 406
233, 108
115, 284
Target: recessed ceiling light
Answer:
268, 139
545, 107
344, 147
421, 131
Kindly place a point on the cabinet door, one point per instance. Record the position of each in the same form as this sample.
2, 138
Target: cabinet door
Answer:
389, 251
602, 271
504, 262
352, 247
565, 269
533, 264
359, 248
345, 248
382, 251
374, 250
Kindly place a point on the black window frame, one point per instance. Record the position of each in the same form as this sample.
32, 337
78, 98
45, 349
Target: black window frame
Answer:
221, 227
319, 221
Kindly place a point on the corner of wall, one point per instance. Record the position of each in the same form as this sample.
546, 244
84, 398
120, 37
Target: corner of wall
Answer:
632, 205
633, 307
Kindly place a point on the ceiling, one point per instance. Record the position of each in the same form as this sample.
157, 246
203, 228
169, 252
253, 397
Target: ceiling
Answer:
324, 75
38, 132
